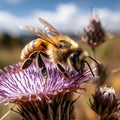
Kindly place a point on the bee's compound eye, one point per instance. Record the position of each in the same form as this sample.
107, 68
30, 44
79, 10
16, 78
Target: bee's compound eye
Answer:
74, 59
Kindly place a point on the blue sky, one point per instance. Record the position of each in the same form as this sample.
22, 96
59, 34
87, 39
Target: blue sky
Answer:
60, 13
23, 7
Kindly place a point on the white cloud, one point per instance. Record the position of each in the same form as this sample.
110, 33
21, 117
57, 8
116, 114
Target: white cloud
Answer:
110, 19
67, 17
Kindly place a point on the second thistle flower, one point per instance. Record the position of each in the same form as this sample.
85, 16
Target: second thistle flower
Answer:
105, 103
94, 34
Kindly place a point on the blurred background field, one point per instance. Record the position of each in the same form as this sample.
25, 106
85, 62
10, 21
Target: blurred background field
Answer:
12, 40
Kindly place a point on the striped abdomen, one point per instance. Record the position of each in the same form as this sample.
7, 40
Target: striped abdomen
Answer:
33, 46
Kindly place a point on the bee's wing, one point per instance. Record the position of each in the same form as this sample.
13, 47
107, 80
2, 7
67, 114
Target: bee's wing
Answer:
38, 33
33, 31
48, 28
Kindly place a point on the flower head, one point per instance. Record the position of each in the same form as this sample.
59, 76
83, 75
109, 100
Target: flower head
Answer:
94, 34
28, 84
26, 89
105, 103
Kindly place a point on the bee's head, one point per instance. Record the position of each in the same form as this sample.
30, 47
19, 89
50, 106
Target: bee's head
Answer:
77, 59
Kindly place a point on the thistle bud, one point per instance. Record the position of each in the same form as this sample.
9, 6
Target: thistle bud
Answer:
94, 34
105, 103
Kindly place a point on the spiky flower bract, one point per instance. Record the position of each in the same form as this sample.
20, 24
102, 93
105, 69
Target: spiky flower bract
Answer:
105, 103
35, 101
94, 34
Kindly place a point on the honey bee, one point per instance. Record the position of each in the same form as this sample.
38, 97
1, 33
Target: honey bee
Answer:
59, 49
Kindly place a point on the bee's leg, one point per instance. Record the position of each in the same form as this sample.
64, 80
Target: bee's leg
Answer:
62, 69
82, 66
44, 54
26, 63
41, 65
29, 61
33, 55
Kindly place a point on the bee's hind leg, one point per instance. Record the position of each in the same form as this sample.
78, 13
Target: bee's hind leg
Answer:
62, 69
26, 63
29, 61
41, 65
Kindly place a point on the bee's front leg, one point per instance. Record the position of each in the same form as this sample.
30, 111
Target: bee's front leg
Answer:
62, 69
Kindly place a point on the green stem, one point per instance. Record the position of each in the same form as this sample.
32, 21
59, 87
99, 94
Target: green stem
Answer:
93, 53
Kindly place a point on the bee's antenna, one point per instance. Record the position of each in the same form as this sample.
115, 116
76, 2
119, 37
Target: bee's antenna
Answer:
94, 60
89, 68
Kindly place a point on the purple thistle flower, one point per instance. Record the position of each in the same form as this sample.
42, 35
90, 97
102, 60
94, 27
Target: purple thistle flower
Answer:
29, 83
27, 86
